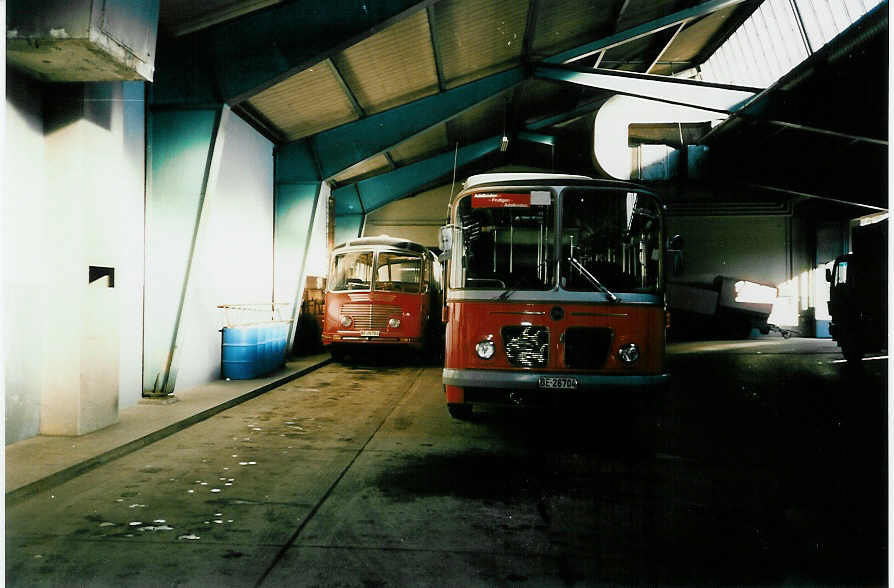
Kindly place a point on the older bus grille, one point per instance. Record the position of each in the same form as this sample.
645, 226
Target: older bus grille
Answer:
526, 346
587, 347
370, 316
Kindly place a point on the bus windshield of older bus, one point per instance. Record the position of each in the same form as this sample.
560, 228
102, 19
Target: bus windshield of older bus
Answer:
351, 271
398, 272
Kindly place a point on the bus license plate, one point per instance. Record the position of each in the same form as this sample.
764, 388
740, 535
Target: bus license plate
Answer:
369, 333
555, 383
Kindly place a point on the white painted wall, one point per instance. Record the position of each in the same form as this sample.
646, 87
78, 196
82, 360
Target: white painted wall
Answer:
25, 282
129, 275
749, 247
73, 196
233, 261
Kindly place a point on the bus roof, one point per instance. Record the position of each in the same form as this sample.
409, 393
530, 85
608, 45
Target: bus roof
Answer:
548, 179
383, 240
525, 176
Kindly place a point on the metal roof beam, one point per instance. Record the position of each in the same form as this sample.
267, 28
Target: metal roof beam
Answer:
666, 46
643, 30
346, 145
436, 48
537, 138
349, 93
548, 121
722, 98
530, 29
377, 191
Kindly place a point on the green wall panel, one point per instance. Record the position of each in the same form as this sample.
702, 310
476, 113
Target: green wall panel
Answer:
179, 145
347, 226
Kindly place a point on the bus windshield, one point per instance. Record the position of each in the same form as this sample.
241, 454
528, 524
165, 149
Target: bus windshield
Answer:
507, 241
351, 271
610, 241
398, 272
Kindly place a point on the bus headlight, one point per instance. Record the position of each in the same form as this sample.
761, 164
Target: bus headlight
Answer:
346, 321
485, 349
629, 353
394, 323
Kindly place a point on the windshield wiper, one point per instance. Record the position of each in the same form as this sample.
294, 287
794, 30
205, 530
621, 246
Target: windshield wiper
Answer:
592, 279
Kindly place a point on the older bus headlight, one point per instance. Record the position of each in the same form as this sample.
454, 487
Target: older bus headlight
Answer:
629, 353
394, 323
346, 321
485, 349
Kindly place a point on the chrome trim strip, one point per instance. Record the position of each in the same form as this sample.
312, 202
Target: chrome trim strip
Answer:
612, 314
529, 379
554, 296
534, 312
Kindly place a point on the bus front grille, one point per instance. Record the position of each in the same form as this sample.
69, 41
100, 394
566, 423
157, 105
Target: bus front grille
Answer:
526, 346
587, 347
370, 316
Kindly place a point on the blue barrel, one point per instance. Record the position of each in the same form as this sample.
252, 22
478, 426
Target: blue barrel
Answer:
263, 356
282, 337
271, 348
239, 353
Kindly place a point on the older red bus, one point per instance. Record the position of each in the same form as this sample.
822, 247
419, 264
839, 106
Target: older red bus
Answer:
382, 291
555, 285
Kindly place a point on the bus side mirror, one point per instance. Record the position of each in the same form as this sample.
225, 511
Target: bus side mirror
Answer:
445, 238
828, 275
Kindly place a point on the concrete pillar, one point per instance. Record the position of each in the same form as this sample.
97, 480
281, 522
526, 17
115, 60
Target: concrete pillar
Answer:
81, 359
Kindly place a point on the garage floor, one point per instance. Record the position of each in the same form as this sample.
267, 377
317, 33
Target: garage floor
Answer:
769, 467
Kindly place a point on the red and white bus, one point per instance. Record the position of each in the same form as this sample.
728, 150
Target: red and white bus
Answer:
382, 291
554, 284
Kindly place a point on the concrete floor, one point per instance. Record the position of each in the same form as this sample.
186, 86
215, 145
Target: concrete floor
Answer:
769, 467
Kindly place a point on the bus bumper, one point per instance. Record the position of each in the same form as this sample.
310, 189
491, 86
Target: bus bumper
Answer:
531, 380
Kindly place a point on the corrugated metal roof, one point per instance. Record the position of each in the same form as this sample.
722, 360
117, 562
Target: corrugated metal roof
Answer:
368, 167
478, 37
540, 98
398, 61
563, 24
690, 42
637, 55
392, 67
431, 141
482, 121
640, 11
306, 103
180, 17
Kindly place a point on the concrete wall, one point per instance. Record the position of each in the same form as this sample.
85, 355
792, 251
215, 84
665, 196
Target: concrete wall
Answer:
233, 261
73, 198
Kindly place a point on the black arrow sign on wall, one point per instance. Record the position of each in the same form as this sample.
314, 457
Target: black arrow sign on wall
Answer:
98, 271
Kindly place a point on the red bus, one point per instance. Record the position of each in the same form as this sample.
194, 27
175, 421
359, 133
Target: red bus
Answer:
382, 291
554, 285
